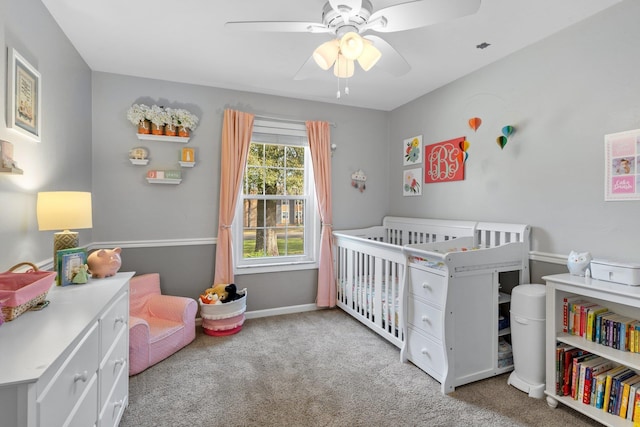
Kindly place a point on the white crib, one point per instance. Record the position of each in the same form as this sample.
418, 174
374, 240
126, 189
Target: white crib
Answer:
370, 263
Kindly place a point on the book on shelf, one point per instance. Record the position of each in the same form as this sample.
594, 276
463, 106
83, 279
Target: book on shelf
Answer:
561, 349
575, 378
615, 393
604, 404
592, 314
584, 308
598, 324
625, 388
568, 368
633, 389
591, 372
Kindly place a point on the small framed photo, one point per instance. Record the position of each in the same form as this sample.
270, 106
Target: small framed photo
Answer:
622, 166
24, 86
71, 262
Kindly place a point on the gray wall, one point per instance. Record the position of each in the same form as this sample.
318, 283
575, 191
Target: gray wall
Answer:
62, 161
130, 212
563, 95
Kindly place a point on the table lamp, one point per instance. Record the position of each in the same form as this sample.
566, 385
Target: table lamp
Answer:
63, 210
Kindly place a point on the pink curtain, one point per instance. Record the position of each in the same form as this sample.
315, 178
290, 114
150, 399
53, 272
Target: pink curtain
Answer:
319, 142
237, 128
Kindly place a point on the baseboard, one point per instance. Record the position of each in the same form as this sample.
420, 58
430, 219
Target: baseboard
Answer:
274, 312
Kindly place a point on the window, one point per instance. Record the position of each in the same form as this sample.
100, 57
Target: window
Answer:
276, 221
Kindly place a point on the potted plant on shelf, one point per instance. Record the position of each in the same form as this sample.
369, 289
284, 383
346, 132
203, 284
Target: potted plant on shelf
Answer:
186, 121
158, 117
171, 124
137, 114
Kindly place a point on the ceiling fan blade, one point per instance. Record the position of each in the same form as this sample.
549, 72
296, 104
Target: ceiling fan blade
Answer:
278, 26
421, 13
391, 60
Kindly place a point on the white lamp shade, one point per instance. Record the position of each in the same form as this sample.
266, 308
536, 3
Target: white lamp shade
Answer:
325, 54
343, 67
351, 45
64, 210
370, 55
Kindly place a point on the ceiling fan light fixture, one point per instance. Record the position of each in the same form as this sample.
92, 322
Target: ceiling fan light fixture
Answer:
351, 45
343, 68
326, 54
370, 56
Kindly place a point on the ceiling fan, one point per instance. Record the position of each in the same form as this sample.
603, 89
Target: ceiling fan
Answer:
349, 19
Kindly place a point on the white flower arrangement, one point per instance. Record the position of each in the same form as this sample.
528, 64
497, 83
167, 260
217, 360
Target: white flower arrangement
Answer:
160, 116
185, 118
137, 113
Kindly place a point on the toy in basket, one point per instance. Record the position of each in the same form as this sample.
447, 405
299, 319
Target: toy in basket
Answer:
222, 309
21, 291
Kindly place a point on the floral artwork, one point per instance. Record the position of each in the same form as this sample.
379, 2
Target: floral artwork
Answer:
444, 161
622, 163
412, 182
413, 150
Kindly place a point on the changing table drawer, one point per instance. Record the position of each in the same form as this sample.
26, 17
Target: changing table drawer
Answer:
113, 365
426, 353
425, 317
427, 285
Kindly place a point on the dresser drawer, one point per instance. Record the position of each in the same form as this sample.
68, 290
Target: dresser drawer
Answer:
427, 285
117, 401
68, 385
426, 353
113, 364
86, 410
425, 317
114, 320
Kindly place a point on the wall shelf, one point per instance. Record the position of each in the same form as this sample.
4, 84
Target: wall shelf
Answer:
14, 171
139, 162
165, 138
163, 181
187, 164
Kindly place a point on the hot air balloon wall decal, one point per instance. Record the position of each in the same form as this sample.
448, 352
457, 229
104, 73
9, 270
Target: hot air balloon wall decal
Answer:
502, 140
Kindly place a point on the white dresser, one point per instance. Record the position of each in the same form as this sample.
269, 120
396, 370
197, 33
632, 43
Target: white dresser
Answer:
67, 365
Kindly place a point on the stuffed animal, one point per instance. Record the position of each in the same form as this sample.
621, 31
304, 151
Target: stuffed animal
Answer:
224, 292
209, 297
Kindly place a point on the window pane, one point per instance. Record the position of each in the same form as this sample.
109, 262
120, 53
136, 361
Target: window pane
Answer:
295, 241
272, 213
254, 181
274, 184
256, 152
295, 182
295, 157
274, 155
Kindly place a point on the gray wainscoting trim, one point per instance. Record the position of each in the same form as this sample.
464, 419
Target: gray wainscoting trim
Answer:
154, 243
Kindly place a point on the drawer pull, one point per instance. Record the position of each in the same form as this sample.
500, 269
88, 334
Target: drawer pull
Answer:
81, 377
425, 319
425, 352
119, 319
119, 361
425, 285
118, 404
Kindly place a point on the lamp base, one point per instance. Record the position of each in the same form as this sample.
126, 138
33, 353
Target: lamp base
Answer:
63, 240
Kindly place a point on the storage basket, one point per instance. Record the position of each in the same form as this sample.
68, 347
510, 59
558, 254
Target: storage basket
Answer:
224, 319
21, 291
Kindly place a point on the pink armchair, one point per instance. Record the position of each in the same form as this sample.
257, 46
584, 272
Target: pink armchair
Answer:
159, 325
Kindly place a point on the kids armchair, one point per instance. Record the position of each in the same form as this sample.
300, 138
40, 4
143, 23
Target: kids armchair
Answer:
159, 325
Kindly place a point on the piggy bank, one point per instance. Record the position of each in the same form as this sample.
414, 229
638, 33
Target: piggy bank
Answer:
104, 262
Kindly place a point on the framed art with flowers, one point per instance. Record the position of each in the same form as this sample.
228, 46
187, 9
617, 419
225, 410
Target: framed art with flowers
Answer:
411, 182
412, 151
23, 111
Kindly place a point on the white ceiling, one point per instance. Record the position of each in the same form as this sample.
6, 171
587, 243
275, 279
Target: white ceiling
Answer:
186, 41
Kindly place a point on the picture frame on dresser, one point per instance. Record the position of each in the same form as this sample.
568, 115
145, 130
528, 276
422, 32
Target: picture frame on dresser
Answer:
24, 98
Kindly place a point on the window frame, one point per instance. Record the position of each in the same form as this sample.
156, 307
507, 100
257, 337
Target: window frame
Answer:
280, 133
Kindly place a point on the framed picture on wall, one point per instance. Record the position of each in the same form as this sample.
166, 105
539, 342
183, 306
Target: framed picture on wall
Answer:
412, 151
24, 86
621, 163
412, 182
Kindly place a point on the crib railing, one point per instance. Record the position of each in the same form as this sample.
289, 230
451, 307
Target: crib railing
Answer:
369, 279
